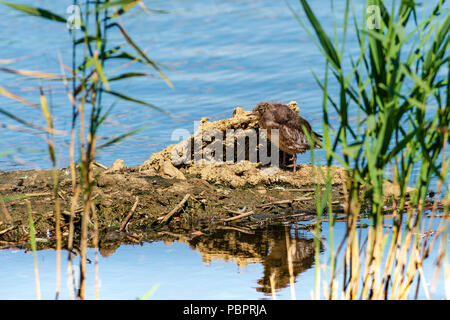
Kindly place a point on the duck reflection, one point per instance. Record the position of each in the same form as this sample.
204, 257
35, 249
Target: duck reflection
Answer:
268, 246
283, 251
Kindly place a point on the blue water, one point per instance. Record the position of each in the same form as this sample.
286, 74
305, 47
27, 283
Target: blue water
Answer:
180, 272
218, 55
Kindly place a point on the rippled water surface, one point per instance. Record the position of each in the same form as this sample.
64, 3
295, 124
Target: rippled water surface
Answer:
218, 55
232, 263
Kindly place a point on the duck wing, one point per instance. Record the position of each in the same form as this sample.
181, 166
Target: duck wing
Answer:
286, 116
294, 138
282, 114
282, 117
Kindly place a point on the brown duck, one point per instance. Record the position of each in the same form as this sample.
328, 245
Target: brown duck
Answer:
292, 139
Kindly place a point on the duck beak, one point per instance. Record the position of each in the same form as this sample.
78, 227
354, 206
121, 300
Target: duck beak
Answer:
252, 114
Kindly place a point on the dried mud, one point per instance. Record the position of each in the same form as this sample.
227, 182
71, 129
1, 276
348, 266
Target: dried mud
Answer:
116, 193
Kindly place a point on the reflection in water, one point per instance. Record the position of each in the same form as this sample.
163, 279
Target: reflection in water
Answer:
268, 246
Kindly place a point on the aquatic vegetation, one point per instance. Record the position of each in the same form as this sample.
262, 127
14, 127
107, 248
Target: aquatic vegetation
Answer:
90, 78
399, 87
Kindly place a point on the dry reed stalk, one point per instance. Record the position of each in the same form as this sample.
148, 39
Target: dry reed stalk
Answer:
289, 248
326, 290
272, 286
411, 272
33, 248
75, 189
57, 209
5, 211
334, 289
376, 262
87, 160
436, 199
388, 265
355, 265
7, 229
382, 287
441, 257
71, 280
243, 215
83, 246
398, 265
71, 159
95, 218
58, 244
422, 275
367, 266
402, 272
352, 249
447, 280
86, 206
330, 291
98, 164
72, 135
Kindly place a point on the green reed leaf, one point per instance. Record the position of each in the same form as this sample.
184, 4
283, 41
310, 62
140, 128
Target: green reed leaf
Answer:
35, 11
98, 66
150, 292
141, 53
119, 138
130, 75
323, 38
124, 97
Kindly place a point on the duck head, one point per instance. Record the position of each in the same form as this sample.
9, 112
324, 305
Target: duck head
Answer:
259, 109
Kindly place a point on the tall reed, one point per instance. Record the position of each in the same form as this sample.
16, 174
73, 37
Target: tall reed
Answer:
33, 249
398, 86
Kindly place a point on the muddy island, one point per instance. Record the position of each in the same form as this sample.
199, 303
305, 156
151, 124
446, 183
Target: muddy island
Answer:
168, 198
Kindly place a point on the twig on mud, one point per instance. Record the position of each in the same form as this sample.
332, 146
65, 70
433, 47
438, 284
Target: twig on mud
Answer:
136, 238
176, 209
303, 214
239, 229
9, 243
61, 194
127, 219
5, 210
100, 165
7, 229
284, 202
27, 195
238, 217
95, 196
304, 190
42, 194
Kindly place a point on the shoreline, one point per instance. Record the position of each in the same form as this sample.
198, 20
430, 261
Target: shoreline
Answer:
133, 206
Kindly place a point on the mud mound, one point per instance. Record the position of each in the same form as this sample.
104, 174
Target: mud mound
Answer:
247, 173
202, 161
168, 195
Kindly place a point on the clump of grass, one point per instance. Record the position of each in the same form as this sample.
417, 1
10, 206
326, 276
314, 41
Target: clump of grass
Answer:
399, 89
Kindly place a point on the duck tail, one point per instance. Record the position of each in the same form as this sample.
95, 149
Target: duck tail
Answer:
319, 138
